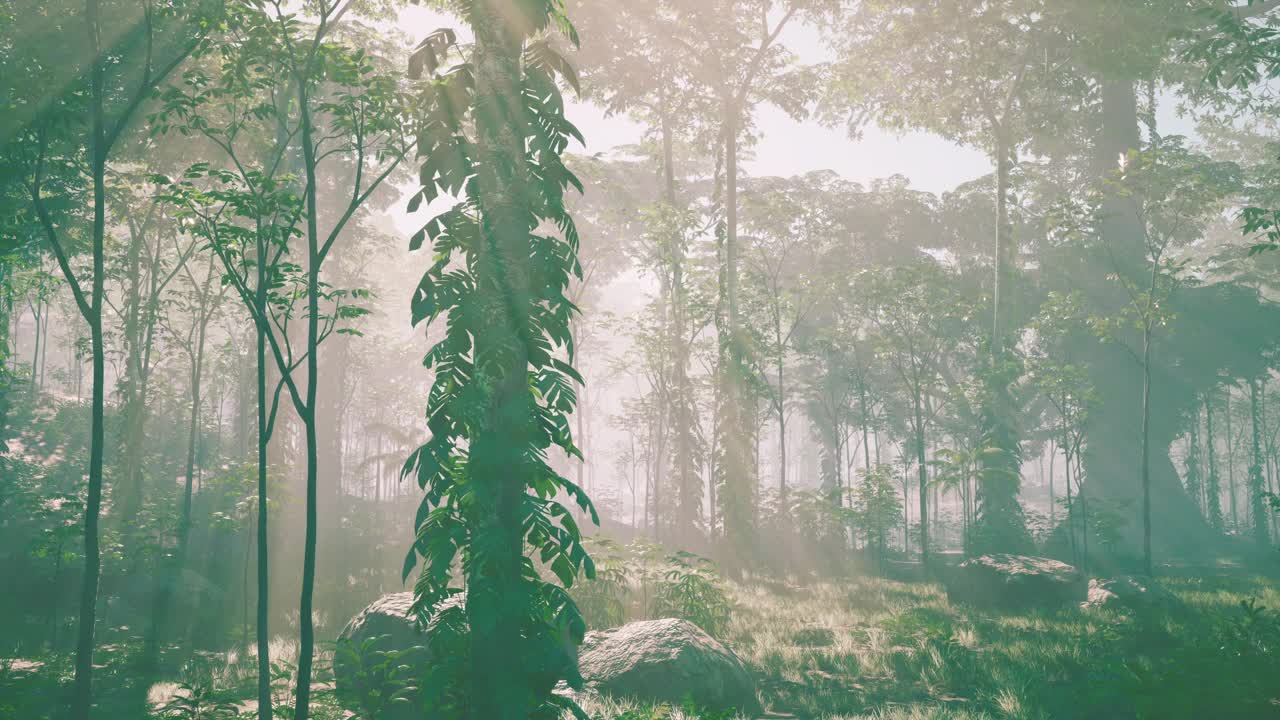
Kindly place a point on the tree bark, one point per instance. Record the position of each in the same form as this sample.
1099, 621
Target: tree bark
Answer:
1257, 487
83, 695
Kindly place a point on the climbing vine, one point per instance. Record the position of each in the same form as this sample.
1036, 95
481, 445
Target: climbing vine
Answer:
491, 133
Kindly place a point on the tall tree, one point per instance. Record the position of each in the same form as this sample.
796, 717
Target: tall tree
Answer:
915, 310
334, 108
788, 228
1171, 191
978, 75
130, 48
493, 132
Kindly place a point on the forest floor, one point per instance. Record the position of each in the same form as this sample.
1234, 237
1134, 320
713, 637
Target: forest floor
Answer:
867, 648
873, 648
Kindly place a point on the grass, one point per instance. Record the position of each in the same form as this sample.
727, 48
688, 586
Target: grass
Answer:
901, 650
870, 648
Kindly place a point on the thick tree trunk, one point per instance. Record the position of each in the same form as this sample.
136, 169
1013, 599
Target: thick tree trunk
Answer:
1111, 464
738, 469
497, 593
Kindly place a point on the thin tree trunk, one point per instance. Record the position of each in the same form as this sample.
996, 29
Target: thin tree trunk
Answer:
1053, 511
923, 477
866, 421
306, 622
1213, 487
83, 697
1146, 439
263, 636
1257, 502
1231, 470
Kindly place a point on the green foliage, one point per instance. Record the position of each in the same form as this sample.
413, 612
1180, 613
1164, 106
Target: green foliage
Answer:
602, 599
876, 505
504, 381
691, 590
197, 702
379, 681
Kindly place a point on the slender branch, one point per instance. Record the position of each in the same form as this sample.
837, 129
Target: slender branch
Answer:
51, 233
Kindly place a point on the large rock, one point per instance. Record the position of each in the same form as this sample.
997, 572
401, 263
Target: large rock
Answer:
1015, 583
1128, 593
666, 661
385, 635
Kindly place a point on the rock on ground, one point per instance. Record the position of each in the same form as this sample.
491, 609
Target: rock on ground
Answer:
388, 626
1129, 593
651, 661
1015, 583
385, 626
666, 661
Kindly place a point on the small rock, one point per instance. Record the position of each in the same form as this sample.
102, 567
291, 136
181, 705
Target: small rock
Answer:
1127, 593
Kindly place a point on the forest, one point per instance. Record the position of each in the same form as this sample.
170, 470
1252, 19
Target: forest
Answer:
640, 359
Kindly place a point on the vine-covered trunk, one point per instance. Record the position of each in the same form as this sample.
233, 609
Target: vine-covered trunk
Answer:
496, 594
1000, 525
133, 403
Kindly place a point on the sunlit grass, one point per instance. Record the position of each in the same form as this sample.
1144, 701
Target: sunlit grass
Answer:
875, 649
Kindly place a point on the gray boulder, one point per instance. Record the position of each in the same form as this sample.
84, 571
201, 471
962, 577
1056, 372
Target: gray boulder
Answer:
666, 661
1015, 583
1128, 593
381, 649
370, 650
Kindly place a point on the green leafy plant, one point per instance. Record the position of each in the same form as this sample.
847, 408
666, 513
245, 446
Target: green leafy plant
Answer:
491, 131
691, 590
197, 701
602, 599
377, 681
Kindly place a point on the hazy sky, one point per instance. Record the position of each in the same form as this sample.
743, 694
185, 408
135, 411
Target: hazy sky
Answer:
787, 147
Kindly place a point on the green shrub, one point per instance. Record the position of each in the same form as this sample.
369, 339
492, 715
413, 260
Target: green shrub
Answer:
197, 702
377, 681
691, 590
602, 599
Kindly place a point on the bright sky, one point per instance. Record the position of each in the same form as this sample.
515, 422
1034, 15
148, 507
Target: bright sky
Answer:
786, 147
